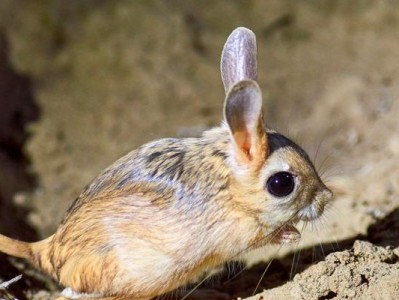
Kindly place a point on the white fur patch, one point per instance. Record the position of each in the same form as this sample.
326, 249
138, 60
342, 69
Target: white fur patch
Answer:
71, 294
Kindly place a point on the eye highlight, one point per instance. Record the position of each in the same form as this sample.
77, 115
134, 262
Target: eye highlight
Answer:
280, 184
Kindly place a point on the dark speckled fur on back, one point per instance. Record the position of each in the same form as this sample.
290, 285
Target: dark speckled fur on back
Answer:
168, 164
169, 161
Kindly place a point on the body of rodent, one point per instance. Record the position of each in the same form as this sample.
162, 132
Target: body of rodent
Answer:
167, 212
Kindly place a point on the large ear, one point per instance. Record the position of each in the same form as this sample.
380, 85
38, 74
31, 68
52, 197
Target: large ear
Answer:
238, 60
243, 114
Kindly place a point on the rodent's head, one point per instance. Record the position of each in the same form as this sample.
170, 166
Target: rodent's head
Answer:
277, 181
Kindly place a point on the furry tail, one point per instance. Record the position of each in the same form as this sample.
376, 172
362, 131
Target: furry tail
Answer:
15, 248
35, 253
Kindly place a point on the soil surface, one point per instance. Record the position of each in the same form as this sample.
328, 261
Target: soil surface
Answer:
84, 82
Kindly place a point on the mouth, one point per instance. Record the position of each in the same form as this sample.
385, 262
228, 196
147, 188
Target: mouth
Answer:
286, 234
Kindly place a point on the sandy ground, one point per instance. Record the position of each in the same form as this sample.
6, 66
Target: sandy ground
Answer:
109, 77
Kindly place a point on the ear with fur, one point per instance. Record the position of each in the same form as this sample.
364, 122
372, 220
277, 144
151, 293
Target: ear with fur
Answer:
243, 114
239, 60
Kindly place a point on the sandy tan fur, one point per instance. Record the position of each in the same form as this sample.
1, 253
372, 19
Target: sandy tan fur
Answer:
167, 212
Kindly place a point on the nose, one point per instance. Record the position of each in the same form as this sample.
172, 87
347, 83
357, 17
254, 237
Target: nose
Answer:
327, 194
315, 209
320, 200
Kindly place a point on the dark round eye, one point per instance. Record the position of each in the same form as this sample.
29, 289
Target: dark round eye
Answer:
281, 184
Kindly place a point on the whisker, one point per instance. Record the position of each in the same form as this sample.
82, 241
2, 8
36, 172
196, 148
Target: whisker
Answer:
261, 277
332, 209
317, 151
324, 221
322, 165
331, 173
292, 265
318, 239
197, 286
295, 260
264, 272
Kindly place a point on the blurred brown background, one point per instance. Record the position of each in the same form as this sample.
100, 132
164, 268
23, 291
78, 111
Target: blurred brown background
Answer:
84, 82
